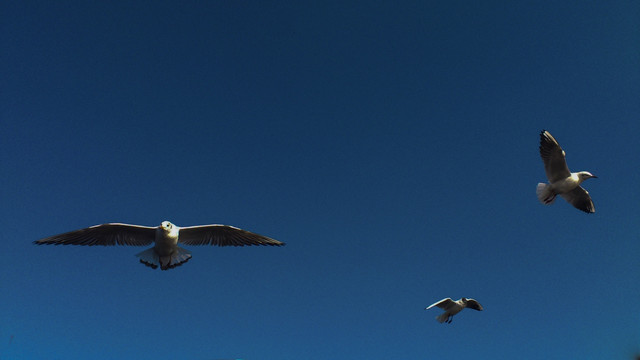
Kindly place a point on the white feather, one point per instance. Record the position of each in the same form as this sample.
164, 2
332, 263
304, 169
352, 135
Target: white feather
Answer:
545, 194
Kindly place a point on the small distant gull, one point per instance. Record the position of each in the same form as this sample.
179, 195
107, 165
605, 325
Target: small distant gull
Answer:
561, 181
451, 308
165, 253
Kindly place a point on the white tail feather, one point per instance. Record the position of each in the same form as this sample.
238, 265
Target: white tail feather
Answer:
545, 194
150, 258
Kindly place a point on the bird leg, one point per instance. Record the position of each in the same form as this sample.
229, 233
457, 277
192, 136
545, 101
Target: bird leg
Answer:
549, 199
449, 319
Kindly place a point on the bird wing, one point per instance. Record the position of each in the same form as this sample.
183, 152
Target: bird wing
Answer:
105, 234
579, 197
222, 235
473, 304
442, 304
553, 157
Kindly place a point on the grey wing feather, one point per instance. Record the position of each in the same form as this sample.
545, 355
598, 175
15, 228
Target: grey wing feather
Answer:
579, 197
473, 304
442, 304
105, 235
553, 157
223, 235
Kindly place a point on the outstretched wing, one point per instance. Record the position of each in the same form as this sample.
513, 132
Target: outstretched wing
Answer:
222, 235
106, 235
442, 304
579, 197
552, 155
473, 304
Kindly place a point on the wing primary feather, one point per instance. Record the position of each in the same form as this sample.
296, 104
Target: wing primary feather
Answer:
223, 235
105, 235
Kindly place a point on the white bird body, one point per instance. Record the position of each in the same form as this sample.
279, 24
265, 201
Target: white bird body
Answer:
561, 181
569, 183
165, 253
166, 238
452, 307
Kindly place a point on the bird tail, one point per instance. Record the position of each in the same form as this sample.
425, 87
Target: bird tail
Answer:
545, 194
442, 317
151, 258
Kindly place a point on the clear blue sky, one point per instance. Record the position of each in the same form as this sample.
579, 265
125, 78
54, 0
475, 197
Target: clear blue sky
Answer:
392, 146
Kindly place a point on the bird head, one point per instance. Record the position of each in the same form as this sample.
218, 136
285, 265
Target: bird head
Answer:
584, 175
166, 226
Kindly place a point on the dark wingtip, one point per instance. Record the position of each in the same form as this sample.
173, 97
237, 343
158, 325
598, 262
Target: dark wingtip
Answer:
272, 242
42, 242
587, 209
543, 134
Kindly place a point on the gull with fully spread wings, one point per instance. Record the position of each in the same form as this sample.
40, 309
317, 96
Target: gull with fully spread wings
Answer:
452, 307
562, 181
165, 253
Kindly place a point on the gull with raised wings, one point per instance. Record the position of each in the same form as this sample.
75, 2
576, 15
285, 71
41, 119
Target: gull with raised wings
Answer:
452, 307
165, 253
562, 181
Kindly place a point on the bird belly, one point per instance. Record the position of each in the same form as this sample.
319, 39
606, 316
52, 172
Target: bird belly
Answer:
165, 244
164, 250
565, 185
454, 310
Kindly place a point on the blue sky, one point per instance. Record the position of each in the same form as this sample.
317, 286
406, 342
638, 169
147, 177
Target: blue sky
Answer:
393, 147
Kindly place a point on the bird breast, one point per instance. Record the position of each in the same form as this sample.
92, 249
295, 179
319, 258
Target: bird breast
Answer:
455, 308
567, 184
166, 241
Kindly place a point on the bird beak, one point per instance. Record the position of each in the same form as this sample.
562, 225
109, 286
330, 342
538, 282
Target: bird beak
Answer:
593, 176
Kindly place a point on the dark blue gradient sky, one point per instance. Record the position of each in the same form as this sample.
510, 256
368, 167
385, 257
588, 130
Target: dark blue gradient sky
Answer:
392, 146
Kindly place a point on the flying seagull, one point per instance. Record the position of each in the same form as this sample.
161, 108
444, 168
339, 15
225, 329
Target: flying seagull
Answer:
165, 253
451, 308
561, 181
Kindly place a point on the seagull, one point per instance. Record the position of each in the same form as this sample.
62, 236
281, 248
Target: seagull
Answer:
451, 308
561, 181
165, 253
